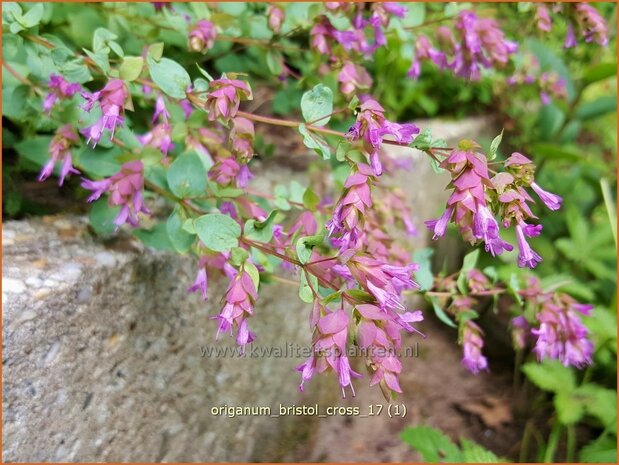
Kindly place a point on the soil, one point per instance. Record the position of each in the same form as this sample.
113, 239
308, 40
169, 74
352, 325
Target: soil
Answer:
438, 392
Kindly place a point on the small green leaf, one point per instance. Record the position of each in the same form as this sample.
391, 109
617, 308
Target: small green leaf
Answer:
432, 444
599, 107
315, 142
305, 288
310, 199
469, 262
494, 146
474, 453
155, 51
569, 407
218, 232
440, 313
131, 68
253, 272
102, 217
317, 103
157, 237
186, 176
169, 76
599, 72
550, 376
305, 245
260, 230
423, 275
238, 256
181, 240
33, 16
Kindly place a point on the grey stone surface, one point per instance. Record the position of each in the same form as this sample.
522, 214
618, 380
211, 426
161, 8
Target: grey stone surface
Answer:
102, 355
102, 344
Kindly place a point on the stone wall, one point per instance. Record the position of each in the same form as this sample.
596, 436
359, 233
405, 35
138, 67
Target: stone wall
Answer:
102, 346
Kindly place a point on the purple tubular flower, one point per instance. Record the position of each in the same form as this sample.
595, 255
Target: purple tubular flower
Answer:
472, 343
125, 189
224, 98
201, 282
485, 227
59, 150
552, 201
439, 226
59, 89
112, 99
527, 257
570, 37
160, 110
385, 282
202, 36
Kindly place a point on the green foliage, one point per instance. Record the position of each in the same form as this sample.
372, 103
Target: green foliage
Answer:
169, 76
187, 176
217, 232
317, 105
436, 447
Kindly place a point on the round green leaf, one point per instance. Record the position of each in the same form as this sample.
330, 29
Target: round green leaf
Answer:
186, 176
218, 232
131, 68
317, 103
169, 76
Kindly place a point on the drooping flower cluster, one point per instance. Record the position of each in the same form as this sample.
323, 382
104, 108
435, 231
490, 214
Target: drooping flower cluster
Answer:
60, 152
583, 17
472, 343
379, 335
125, 190
513, 199
344, 227
468, 205
224, 98
329, 347
550, 84
590, 24
59, 89
372, 126
112, 100
365, 36
479, 43
558, 329
240, 298
202, 36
